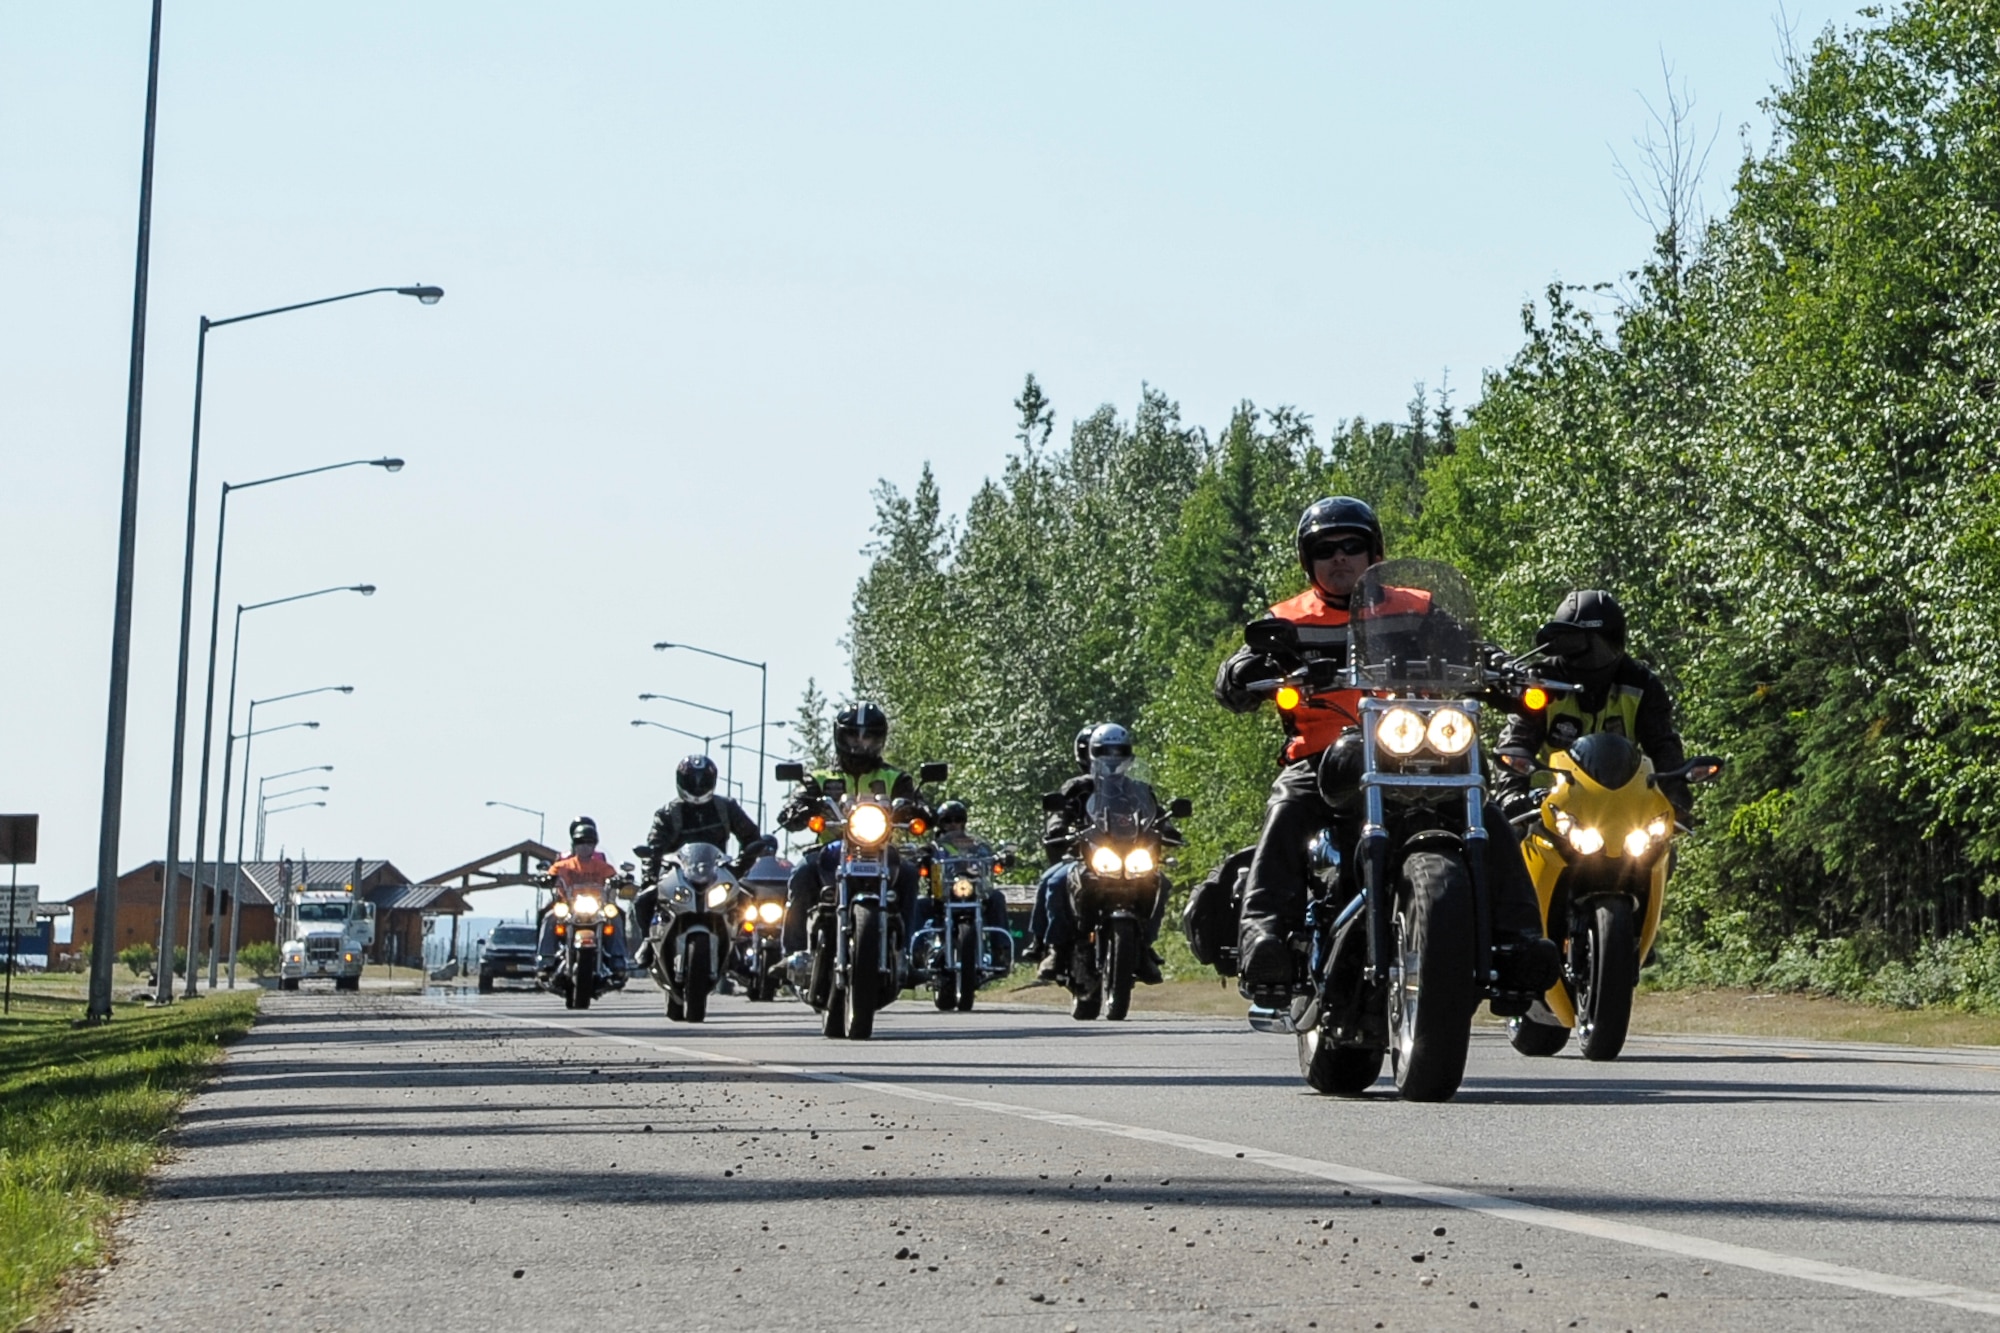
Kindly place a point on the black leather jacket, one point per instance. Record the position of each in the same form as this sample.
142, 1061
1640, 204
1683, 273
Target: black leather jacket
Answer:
679, 823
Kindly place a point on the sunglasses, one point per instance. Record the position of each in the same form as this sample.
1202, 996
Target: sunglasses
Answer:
1328, 550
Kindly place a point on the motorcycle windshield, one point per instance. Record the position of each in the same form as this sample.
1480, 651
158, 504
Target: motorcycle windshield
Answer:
701, 862
1415, 629
1119, 803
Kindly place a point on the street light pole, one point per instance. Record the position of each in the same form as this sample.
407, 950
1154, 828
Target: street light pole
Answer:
242, 810
258, 853
728, 713
541, 830
706, 741
236, 868
110, 815
425, 295
208, 731
763, 708
208, 706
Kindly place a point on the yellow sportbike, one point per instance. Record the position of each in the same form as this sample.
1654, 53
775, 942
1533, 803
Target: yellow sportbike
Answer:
1599, 849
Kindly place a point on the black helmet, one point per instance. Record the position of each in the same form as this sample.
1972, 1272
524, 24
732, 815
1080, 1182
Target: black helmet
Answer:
583, 829
859, 733
952, 814
695, 778
1113, 743
1083, 748
1337, 513
1597, 615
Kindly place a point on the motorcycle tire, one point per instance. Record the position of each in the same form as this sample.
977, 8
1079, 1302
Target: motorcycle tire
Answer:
1337, 1071
1087, 1007
1532, 1038
1610, 975
583, 980
1120, 954
676, 1011
697, 986
967, 978
485, 985
1432, 991
864, 982
833, 1019
947, 995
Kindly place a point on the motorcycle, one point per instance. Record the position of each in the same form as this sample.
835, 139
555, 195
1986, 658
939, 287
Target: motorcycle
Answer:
587, 923
1599, 847
690, 931
756, 956
854, 961
1399, 949
958, 950
1114, 885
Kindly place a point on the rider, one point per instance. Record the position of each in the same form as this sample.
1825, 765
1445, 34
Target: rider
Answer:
954, 840
1338, 539
1110, 744
584, 868
859, 733
1055, 880
1615, 693
695, 815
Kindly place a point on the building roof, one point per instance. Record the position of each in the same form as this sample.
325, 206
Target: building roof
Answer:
520, 853
417, 898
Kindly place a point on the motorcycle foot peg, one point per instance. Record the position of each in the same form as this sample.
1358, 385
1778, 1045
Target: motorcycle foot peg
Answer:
1267, 997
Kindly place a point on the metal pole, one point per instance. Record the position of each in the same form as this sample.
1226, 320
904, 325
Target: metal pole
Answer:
763, 718
168, 890
13, 906
207, 742
236, 874
222, 820
104, 926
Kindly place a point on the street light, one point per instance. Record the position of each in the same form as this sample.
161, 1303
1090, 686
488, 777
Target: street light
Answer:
229, 750
425, 296
302, 805
542, 832
273, 777
242, 811
236, 875
763, 707
727, 713
706, 741
214, 627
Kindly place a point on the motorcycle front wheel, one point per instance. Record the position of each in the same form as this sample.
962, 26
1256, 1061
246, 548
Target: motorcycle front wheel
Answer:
1119, 957
697, 984
968, 966
1610, 975
864, 979
1432, 989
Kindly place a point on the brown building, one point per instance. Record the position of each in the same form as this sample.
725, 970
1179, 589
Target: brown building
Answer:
400, 906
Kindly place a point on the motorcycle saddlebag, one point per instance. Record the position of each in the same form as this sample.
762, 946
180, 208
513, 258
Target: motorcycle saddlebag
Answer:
1214, 911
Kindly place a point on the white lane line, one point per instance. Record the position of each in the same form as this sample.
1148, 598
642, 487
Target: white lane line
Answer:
1508, 1210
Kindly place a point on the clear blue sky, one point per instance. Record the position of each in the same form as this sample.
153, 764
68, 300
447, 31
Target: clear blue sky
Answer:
712, 271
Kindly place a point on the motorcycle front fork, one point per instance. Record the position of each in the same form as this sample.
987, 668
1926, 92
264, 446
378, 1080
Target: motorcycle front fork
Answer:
1373, 851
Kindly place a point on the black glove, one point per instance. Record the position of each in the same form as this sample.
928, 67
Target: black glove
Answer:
1256, 666
1515, 804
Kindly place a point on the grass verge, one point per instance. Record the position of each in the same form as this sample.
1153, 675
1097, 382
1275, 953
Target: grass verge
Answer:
83, 1117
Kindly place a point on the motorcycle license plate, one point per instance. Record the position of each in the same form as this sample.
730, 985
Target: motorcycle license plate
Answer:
586, 939
864, 867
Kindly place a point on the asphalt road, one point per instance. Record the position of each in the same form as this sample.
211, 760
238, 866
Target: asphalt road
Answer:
497, 1163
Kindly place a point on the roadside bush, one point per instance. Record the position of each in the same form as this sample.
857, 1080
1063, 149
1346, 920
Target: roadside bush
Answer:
261, 958
138, 959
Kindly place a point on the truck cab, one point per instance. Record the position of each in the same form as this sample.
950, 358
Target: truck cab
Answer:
328, 933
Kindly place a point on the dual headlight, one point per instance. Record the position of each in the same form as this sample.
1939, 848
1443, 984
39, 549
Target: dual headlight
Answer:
1106, 862
717, 896
587, 904
1589, 841
868, 824
1403, 731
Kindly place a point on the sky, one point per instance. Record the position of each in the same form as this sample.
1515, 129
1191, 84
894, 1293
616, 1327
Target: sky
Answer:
712, 271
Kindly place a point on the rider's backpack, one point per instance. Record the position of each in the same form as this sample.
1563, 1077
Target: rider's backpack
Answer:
1214, 911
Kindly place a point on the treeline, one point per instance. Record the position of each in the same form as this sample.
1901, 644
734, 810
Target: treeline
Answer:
1777, 441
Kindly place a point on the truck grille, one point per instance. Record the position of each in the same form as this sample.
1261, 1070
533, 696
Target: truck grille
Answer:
322, 950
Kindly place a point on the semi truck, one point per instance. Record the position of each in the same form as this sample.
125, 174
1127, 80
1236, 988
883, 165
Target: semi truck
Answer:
327, 934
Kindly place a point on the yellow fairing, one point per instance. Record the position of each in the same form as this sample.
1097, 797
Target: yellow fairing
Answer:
1575, 806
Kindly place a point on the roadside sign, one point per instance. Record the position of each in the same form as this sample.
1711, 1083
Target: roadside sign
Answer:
17, 839
17, 908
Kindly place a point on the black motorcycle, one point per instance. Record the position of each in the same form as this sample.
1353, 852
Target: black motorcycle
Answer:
690, 931
1399, 942
854, 953
1114, 886
959, 949
756, 957
587, 921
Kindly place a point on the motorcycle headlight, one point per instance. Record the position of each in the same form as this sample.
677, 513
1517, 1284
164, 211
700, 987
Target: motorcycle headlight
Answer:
1637, 841
611, 909
962, 889
1400, 731
561, 910
587, 903
868, 823
1139, 861
679, 895
1105, 861
1586, 840
1450, 732
1658, 828
750, 915
770, 913
718, 895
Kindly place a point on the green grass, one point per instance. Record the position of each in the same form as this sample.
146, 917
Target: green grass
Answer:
83, 1116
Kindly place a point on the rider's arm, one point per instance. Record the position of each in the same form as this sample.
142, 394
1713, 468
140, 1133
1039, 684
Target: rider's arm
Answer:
1238, 670
662, 834
1523, 734
1661, 742
741, 825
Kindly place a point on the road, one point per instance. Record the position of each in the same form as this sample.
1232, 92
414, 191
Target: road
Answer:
497, 1163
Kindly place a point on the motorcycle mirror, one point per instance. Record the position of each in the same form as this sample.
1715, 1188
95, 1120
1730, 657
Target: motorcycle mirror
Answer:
1706, 768
1052, 801
933, 772
644, 851
1272, 635
1562, 640
791, 772
626, 867
1180, 808
1517, 763
542, 866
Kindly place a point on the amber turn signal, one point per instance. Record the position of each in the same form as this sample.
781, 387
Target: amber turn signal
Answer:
1288, 697
1534, 698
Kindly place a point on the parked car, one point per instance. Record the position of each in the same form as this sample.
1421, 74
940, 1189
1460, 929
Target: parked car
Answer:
509, 956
